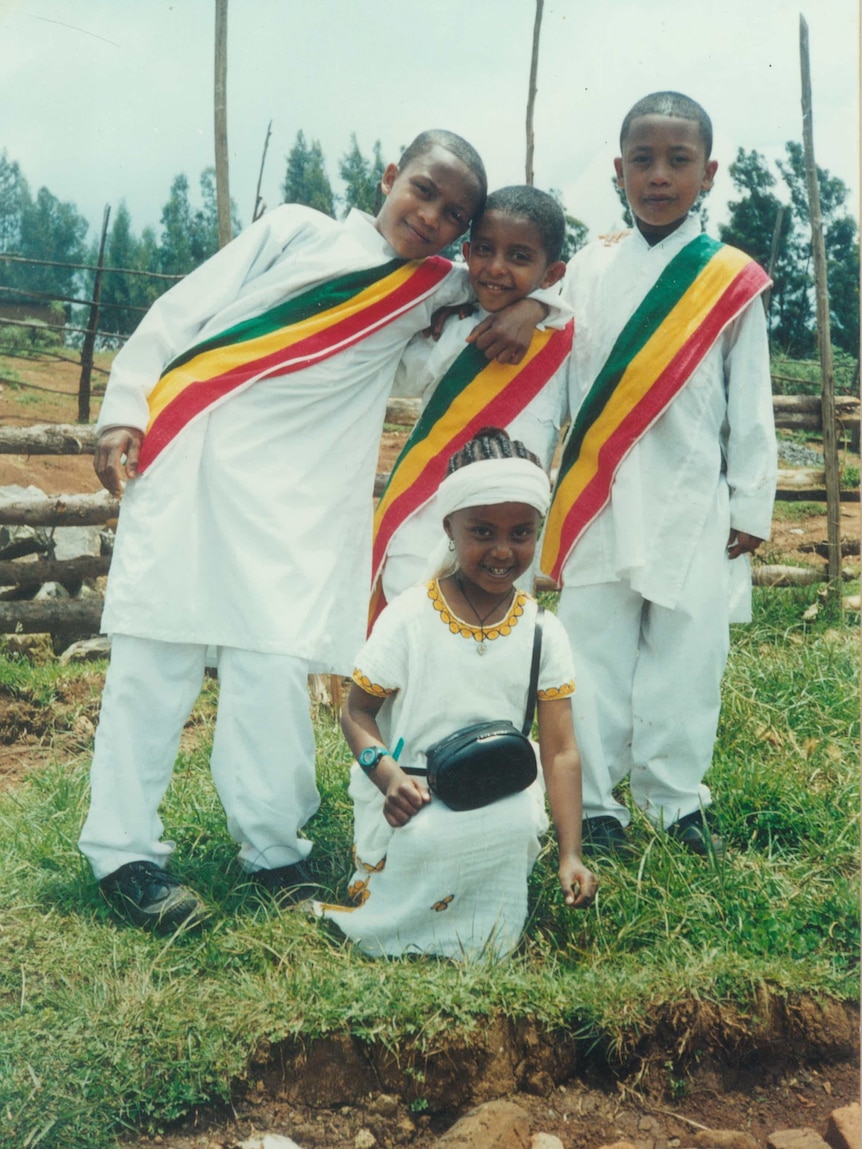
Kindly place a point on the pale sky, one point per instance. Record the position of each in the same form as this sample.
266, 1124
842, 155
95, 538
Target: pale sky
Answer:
103, 100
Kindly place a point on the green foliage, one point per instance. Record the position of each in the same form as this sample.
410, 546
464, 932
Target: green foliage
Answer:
753, 219
306, 180
104, 1028
190, 235
361, 178
43, 228
792, 376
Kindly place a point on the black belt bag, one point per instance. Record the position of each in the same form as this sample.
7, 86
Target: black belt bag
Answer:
478, 764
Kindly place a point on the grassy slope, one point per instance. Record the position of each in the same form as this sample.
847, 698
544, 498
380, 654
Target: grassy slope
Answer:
101, 1026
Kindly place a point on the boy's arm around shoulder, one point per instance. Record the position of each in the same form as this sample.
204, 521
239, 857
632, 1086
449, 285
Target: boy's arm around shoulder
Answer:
750, 447
506, 335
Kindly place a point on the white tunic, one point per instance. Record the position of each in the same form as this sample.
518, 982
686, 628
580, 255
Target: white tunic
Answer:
711, 457
421, 369
253, 529
449, 883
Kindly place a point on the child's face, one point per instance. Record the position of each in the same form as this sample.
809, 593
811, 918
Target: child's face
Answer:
428, 204
663, 169
506, 260
494, 545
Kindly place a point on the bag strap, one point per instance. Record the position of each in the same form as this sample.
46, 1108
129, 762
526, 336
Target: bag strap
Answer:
531, 689
534, 672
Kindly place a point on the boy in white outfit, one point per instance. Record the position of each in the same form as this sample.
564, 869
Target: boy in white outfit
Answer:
667, 479
513, 251
246, 412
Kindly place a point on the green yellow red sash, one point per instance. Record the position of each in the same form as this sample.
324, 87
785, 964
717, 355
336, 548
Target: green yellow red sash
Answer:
474, 393
311, 327
698, 294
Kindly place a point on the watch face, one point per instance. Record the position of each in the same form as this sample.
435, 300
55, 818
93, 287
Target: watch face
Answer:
370, 756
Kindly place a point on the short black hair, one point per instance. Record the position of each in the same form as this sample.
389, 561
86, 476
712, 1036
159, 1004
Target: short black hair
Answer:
670, 104
490, 443
538, 207
457, 145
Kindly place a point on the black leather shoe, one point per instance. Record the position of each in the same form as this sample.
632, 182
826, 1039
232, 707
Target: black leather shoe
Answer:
604, 835
693, 833
289, 884
149, 896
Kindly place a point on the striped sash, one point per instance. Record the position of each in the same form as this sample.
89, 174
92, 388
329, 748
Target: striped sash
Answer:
699, 293
474, 393
311, 327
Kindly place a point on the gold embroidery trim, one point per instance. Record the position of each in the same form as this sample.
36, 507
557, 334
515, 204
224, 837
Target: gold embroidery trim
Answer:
370, 687
552, 692
467, 629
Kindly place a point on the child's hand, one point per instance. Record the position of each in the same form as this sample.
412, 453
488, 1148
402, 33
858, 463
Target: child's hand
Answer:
404, 798
114, 444
579, 884
438, 319
738, 542
506, 335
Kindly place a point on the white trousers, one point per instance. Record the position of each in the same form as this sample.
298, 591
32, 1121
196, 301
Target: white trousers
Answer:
648, 690
262, 758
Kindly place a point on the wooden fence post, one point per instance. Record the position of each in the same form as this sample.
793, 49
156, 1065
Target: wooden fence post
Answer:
220, 107
531, 94
824, 336
92, 327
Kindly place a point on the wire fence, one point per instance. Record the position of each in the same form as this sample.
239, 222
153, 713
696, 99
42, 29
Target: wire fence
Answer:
92, 334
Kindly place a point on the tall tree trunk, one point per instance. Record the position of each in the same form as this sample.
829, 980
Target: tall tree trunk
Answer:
531, 95
220, 104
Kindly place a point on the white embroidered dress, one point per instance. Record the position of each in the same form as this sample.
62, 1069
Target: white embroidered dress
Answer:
448, 883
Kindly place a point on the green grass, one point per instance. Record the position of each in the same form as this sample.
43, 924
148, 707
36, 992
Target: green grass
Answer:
103, 1028
806, 376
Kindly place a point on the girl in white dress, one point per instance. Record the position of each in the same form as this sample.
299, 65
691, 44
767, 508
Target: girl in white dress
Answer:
444, 655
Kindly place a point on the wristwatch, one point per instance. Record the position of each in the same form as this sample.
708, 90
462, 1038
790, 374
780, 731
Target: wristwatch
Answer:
370, 757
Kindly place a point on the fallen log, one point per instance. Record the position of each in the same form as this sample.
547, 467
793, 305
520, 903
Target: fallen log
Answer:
848, 547
60, 570
780, 575
788, 404
62, 511
48, 439
52, 616
809, 484
813, 495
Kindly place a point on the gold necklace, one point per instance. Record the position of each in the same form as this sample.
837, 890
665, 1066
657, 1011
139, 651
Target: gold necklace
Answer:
480, 646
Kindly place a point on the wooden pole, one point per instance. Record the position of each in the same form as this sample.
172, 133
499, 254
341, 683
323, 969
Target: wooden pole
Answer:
259, 205
531, 94
824, 337
89, 343
220, 104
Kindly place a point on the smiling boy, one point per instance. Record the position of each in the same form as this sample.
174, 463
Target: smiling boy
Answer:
513, 251
667, 478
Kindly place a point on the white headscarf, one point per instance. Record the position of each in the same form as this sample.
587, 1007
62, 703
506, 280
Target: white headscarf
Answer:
486, 484
493, 481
